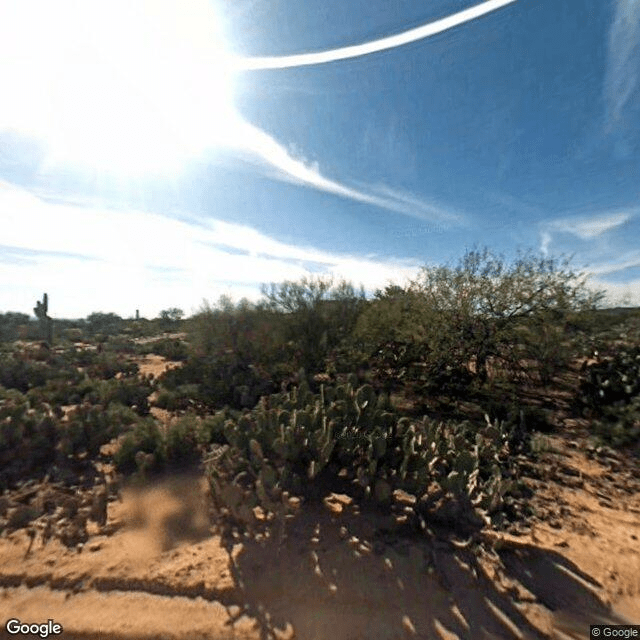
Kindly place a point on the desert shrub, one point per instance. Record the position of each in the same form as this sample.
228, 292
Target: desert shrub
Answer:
120, 344
211, 429
182, 442
612, 381
68, 387
621, 425
170, 318
169, 348
219, 381
20, 372
88, 427
130, 392
481, 309
29, 434
81, 357
73, 334
11, 324
316, 315
104, 324
181, 398
104, 366
145, 438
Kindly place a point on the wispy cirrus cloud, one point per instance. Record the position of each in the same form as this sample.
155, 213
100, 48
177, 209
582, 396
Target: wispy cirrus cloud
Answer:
629, 261
589, 228
622, 81
585, 228
258, 146
89, 258
603, 258
373, 46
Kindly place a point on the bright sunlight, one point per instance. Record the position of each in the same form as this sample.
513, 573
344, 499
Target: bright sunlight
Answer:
124, 87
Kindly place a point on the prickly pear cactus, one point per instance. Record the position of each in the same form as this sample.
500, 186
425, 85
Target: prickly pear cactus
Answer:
303, 444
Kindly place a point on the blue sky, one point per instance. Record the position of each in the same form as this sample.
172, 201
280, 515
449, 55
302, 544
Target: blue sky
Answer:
159, 153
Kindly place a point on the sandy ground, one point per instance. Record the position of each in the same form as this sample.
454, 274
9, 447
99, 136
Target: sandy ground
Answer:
338, 574
157, 570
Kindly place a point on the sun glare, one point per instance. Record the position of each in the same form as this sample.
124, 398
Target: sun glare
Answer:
124, 86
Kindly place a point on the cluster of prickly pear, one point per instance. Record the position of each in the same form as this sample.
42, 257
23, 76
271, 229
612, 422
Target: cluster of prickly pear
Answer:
291, 439
29, 434
612, 381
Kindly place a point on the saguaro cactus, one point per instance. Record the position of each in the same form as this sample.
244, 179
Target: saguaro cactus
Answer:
46, 323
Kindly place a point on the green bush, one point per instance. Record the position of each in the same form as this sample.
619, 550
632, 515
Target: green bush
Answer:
146, 438
11, 325
211, 430
105, 366
612, 381
483, 308
219, 380
182, 398
29, 434
130, 392
182, 442
169, 348
20, 372
88, 427
621, 425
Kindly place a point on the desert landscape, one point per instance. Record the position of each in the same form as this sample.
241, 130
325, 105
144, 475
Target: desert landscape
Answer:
112, 536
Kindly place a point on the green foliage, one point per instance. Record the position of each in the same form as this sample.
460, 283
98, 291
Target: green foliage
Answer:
180, 399
219, 381
28, 435
88, 427
450, 319
316, 314
169, 348
611, 392
105, 324
146, 449
621, 425
145, 438
12, 326
104, 366
130, 392
211, 429
613, 381
170, 318
19, 371
183, 442
309, 444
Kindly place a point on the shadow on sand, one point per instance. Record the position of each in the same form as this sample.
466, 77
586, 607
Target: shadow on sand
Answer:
345, 577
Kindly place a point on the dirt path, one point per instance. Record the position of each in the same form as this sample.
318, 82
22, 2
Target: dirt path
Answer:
156, 365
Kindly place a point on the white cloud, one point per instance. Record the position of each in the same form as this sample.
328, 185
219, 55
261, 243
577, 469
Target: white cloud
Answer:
146, 261
590, 228
374, 46
621, 87
629, 261
618, 294
264, 148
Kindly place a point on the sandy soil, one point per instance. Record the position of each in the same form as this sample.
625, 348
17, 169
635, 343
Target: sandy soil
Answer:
156, 569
